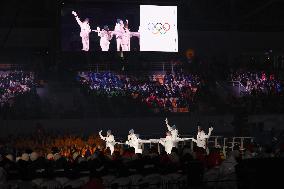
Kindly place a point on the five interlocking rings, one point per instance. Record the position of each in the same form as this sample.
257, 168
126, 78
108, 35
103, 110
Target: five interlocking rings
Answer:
159, 28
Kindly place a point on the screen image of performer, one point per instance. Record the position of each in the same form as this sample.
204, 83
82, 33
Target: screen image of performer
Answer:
126, 36
109, 139
202, 137
174, 132
119, 31
105, 36
125, 40
85, 31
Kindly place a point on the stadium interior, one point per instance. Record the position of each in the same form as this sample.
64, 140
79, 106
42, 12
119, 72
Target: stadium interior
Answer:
228, 74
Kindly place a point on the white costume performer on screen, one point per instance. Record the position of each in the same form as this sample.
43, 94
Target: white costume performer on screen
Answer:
125, 41
105, 36
123, 35
202, 137
118, 31
174, 133
126, 35
109, 139
133, 141
85, 31
168, 142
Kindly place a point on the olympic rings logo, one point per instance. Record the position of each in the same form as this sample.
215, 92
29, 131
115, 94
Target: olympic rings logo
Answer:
159, 28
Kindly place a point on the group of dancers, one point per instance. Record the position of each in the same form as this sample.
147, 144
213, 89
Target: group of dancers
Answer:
171, 140
121, 32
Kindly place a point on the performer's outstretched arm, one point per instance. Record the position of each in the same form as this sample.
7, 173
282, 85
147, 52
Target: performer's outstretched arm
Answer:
77, 18
134, 34
194, 140
162, 141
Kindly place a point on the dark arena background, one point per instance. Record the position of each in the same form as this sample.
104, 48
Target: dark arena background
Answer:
196, 100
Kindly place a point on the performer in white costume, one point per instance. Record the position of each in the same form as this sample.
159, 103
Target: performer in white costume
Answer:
202, 137
174, 132
106, 36
119, 31
134, 141
85, 31
110, 142
126, 35
168, 142
123, 35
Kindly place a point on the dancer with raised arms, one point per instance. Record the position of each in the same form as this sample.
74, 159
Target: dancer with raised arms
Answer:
168, 142
105, 36
174, 132
109, 139
201, 138
85, 31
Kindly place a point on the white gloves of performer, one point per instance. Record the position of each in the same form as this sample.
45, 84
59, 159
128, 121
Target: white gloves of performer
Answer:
210, 129
100, 132
98, 29
74, 13
166, 120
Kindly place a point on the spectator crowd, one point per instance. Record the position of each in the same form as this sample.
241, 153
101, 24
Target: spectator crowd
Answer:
15, 83
264, 92
258, 82
170, 92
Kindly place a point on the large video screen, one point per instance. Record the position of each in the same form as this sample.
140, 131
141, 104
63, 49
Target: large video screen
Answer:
119, 27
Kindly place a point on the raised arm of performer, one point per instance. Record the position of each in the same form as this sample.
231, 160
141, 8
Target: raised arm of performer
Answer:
209, 132
173, 131
198, 134
101, 136
77, 18
168, 126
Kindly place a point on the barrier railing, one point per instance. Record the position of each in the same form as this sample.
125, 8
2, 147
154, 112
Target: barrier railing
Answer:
224, 143
154, 66
240, 142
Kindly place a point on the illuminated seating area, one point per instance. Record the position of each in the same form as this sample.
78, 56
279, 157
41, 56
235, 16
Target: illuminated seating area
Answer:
169, 92
15, 83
